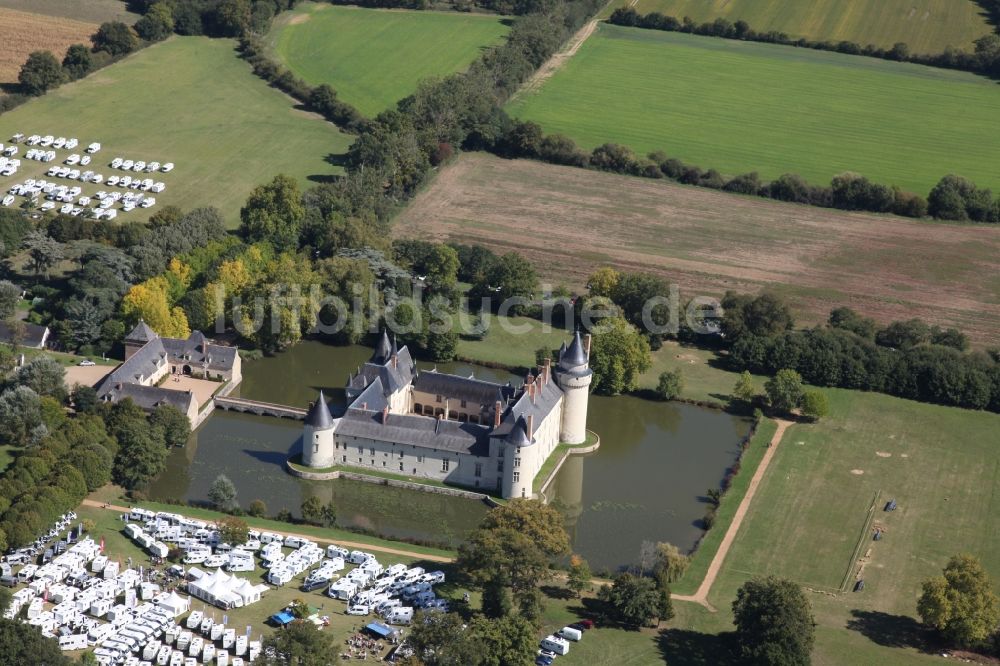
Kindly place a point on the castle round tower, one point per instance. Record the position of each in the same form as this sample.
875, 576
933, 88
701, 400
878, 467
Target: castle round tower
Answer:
520, 445
317, 435
574, 375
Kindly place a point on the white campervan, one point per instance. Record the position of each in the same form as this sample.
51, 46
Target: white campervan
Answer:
555, 644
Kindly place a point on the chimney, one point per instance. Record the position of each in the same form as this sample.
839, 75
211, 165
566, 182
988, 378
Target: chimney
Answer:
394, 357
531, 425
364, 406
447, 409
547, 369
496, 414
385, 415
586, 345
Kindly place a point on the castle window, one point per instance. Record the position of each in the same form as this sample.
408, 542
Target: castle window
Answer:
400, 455
400, 465
360, 461
500, 452
383, 463
517, 463
522, 492
372, 449
500, 466
420, 459
445, 464
316, 447
438, 398
479, 470
344, 459
463, 404
517, 477
361, 449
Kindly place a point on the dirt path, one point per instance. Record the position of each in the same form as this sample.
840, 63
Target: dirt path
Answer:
553, 64
346, 544
701, 595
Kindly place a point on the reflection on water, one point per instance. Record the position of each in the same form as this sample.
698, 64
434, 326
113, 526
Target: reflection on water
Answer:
644, 483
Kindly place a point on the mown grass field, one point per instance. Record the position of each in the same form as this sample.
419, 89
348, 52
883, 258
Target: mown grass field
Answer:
192, 102
739, 106
568, 222
21, 33
374, 58
927, 26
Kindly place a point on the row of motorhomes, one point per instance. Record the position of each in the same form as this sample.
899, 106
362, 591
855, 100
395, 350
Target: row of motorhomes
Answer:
139, 165
54, 141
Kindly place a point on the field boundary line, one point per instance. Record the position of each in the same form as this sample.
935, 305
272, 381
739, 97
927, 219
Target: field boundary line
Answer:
865, 531
560, 57
701, 595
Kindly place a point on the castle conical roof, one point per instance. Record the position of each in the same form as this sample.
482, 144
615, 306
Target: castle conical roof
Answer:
574, 356
383, 350
518, 435
319, 414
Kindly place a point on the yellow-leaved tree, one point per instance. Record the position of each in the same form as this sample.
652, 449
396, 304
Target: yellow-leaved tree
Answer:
150, 302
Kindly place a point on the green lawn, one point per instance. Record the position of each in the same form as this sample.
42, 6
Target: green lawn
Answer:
193, 102
512, 341
740, 106
374, 58
927, 26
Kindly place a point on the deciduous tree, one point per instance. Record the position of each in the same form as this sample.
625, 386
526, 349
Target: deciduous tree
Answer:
784, 390
619, 355
961, 603
774, 623
40, 73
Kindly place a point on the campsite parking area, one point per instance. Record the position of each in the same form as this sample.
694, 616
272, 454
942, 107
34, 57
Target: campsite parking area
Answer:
193, 102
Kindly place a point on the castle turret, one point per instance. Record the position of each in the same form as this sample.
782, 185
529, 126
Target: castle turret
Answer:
383, 350
519, 443
317, 435
574, 375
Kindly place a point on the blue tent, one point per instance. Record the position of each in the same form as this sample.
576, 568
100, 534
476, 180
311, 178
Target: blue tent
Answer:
282, 618
381, 630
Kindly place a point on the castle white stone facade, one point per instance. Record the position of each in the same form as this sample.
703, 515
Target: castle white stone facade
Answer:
459, 430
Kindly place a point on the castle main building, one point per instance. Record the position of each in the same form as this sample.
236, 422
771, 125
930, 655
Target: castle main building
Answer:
459, 430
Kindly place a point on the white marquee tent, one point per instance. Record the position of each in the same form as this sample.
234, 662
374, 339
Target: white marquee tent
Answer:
225, 591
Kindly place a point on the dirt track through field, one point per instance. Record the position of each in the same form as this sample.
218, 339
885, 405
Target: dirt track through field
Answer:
571, 221
701, 594
553, 64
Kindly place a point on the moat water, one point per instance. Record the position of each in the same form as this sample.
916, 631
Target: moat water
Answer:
645, 484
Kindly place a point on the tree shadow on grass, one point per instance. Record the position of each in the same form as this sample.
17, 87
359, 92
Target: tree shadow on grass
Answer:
557, 592
887, 630
680, 647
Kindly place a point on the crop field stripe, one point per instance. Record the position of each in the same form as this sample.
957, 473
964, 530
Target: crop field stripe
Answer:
863, 537
740, 106
927, 26
375, 57
22, 33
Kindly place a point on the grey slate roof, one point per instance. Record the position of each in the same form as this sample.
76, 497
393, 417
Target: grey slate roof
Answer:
574, 356
422, 431
141, 333
473, 391
518, 436
319, 414
150, 397
196, 350
142, 363
546, 398
383, 349
393, 378
34, 335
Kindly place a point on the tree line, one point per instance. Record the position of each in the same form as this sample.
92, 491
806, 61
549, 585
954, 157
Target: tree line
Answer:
59, 456
952, 198
907, 359
984, 59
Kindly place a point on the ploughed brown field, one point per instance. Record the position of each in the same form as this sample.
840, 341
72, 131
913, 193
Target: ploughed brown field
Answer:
571, 221
24, 32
